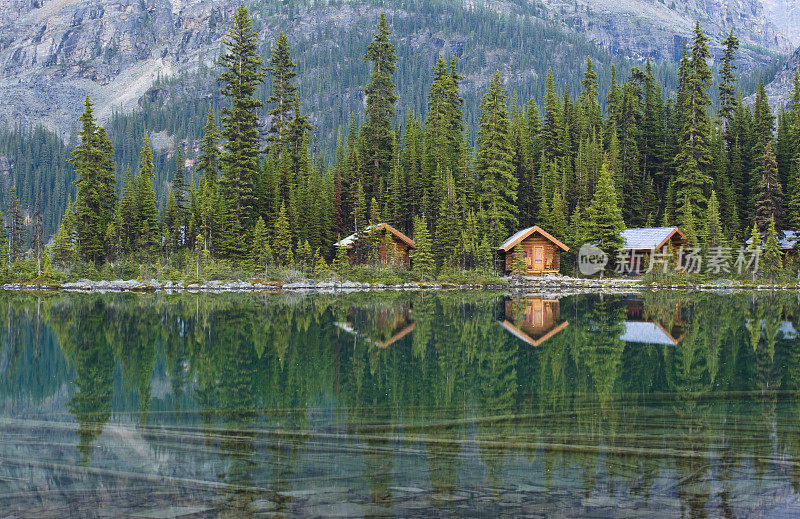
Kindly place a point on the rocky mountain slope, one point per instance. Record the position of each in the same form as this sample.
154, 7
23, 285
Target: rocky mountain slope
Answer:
54, 52
780, 88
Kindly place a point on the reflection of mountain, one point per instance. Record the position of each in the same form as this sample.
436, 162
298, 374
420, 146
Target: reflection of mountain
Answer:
381, 326
533, 319
667, 328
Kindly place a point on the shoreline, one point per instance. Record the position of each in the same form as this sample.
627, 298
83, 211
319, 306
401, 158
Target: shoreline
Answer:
559, 285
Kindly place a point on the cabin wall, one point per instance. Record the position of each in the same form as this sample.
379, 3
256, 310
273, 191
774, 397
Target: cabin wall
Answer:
401, 252
552, 254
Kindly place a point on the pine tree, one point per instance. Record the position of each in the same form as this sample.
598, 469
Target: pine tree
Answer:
15, 227
495, 170
769, 194
242, 73
712, 234
321, 269
37, 244
591, 117
688, 221
63, 250
448, 226
694, 160
146, 206
771, 262
261, 251
605, 223
282, 241
180, 192
341, 262
422, 257
93, 160
208, 160
281, 68
727, 85
377, 132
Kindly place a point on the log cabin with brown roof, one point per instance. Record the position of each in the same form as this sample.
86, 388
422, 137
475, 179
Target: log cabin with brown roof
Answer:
540, 249
398, 252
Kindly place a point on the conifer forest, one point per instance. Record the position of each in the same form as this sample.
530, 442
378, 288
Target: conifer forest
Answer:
257, 197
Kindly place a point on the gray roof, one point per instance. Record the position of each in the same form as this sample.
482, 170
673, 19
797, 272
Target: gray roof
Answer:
790, 238
645, 237
645, 332
349, 240
514, 237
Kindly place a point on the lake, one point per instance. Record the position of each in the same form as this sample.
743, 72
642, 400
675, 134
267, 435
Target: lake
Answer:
406, 404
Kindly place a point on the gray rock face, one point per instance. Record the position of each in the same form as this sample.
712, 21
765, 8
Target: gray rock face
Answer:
54, 52
779, 90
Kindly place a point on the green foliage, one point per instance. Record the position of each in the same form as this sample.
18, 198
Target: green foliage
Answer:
771, 260
605, 223
422, 260
93, 160
498, 185
241, 75
282, 239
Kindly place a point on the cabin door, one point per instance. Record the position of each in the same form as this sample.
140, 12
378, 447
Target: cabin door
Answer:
538, 259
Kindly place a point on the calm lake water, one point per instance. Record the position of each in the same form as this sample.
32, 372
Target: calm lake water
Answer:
405, 404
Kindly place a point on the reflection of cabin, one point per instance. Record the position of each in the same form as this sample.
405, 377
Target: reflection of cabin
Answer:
788, 242
381, 327
642, 241
661, 330
358, 245
542, 252
533, 319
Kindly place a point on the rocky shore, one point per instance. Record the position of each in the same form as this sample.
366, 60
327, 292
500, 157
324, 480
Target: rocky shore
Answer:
540, 284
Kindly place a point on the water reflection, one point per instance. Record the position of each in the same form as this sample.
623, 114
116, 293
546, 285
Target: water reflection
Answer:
533, 319
404, 404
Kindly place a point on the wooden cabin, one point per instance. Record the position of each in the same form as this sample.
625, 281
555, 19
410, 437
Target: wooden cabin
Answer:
640, 242
359, 243
787, 241
533, 319
542, 252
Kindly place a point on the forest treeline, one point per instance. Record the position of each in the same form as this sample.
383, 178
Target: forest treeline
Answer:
580, 172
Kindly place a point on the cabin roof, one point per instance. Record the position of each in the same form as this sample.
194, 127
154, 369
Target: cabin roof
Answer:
641, 238
521, 335
350, 240
646, 332
786, 239
524, 233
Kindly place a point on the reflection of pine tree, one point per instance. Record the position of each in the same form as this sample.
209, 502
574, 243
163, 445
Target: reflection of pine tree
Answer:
495, 390
602, 349
94, 368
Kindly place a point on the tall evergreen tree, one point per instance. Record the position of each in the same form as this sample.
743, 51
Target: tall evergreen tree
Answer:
281, 68
146, 205
498, 184
242, 73
377, 132
694, 160
727, 84
93, 160
769, 194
